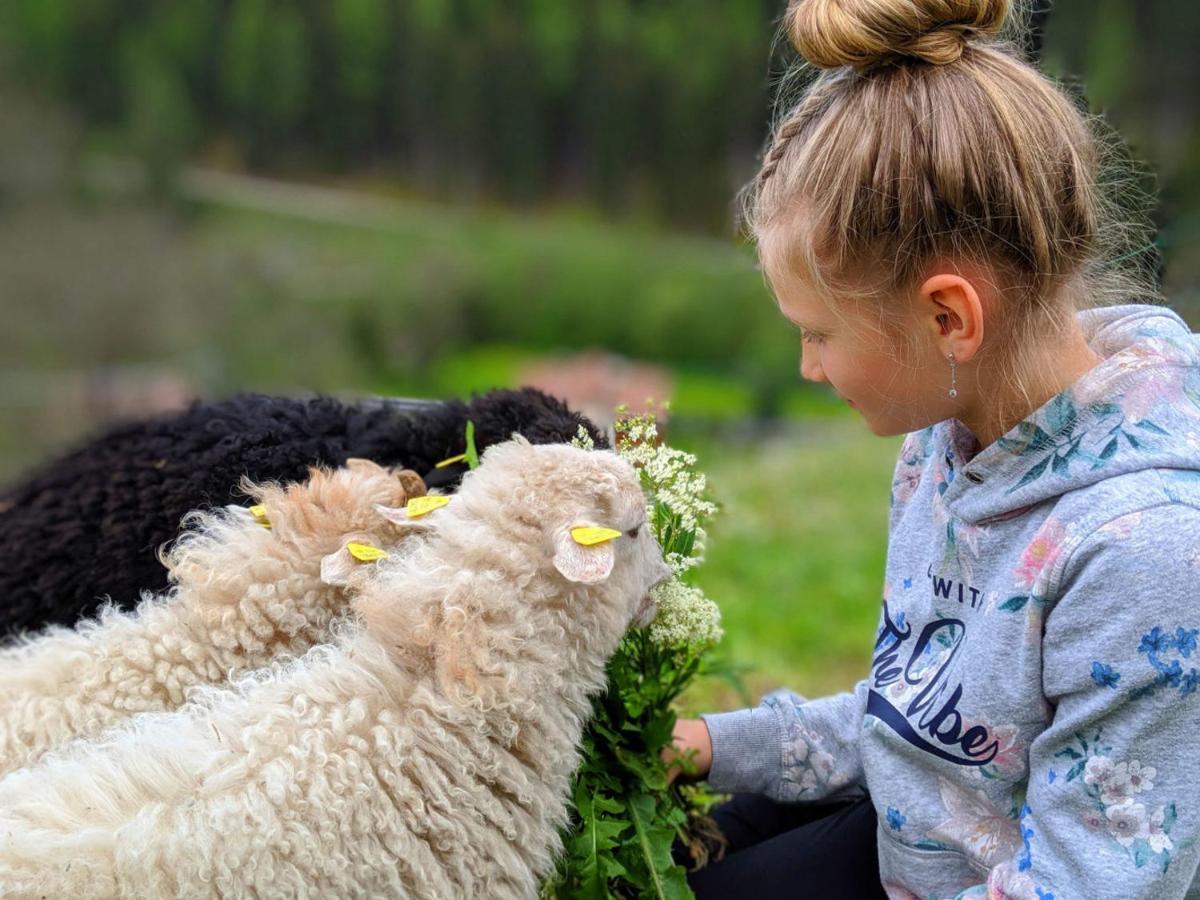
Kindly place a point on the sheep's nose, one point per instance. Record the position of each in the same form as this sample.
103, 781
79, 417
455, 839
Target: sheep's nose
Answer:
664, 572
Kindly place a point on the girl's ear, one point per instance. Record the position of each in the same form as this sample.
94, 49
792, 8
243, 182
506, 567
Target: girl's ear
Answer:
579, 562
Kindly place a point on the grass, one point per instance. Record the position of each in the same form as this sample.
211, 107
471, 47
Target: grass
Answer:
796, 558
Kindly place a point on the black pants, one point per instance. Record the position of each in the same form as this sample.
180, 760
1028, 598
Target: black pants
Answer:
790, 850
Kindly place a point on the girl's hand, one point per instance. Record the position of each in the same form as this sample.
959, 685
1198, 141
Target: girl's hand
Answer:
689, 735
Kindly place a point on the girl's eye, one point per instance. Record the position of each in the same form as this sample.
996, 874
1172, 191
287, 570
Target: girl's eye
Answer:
813, 338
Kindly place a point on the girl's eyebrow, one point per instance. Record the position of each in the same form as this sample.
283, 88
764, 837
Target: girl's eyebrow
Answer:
811, 332
796, 324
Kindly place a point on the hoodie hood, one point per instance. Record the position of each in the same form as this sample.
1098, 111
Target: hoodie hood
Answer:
1137, 409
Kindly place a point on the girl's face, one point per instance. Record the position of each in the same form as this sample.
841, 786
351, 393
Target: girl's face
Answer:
861, 367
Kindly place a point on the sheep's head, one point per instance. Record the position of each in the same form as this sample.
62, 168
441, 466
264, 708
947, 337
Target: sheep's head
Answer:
501, 556
582, 512
333, 508
576, 517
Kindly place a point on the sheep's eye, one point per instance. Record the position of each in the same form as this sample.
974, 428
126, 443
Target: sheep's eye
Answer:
633, 532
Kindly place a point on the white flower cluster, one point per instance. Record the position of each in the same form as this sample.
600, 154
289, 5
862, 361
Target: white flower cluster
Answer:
685, 616
583, 440
676, 485
680, 562
676, 490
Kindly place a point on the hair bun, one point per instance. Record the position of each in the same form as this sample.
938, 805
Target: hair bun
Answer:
869, 33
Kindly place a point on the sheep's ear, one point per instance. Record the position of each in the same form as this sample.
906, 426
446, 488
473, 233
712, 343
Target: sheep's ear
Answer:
256, 514
337, 566
585, 563
398, 515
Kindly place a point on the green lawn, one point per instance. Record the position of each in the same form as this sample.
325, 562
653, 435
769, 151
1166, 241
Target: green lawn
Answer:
796, 558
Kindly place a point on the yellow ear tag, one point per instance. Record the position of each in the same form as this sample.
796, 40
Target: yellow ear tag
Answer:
260, 515
419, 506
451, 461
590, 535
365, 552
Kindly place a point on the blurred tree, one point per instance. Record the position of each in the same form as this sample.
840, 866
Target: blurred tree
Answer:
162, 124
654, 110
266, 74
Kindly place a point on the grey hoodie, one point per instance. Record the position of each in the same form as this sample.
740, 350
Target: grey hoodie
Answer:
1028, 725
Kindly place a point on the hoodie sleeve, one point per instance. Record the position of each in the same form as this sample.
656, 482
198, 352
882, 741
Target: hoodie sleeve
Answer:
1113, 804
790, 749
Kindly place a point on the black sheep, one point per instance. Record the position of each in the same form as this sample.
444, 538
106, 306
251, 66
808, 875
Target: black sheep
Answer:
90, 522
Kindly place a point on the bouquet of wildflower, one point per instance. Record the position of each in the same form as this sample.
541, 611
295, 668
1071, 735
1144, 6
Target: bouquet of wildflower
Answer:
626, 817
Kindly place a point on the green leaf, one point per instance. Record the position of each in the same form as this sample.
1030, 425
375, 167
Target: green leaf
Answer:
650, 773
1033, 473
593, 846
1150, 426
1061, 414
659, 730
929, 844
1038, 439
472, 456
1076, 770
667, 880
1014, 604
1168, 818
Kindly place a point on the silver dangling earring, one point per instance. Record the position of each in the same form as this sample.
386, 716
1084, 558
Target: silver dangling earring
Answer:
953, 382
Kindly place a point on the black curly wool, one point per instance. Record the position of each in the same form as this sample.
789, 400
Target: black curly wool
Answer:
89, 523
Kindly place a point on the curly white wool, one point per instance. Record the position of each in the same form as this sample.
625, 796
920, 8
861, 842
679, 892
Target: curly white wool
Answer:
426, 751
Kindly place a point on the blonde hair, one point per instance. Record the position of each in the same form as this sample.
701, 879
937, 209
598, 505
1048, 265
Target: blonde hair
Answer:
929, 137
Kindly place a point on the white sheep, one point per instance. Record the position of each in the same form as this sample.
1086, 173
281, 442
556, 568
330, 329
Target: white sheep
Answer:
242, 595
427, 751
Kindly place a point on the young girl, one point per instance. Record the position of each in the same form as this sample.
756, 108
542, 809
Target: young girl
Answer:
930, 215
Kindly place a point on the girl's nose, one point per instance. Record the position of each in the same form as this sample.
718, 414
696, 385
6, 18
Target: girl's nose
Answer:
810, 366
